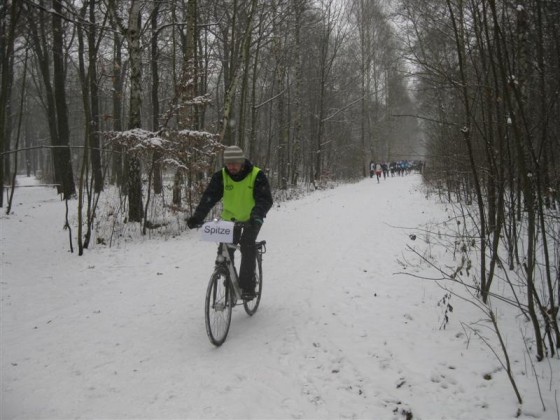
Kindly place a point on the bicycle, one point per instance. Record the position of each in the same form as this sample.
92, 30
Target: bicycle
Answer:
223, 291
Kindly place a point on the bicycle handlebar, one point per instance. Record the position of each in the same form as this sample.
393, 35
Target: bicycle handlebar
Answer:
242, 224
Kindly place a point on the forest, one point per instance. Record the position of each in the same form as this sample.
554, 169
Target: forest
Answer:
310, 90
141, 96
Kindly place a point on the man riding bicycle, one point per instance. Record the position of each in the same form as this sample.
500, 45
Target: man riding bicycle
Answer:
246, 197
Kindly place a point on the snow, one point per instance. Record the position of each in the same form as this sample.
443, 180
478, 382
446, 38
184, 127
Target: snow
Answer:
341, 333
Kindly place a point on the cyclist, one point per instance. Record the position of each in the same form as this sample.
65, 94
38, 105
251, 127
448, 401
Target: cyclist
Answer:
246, 197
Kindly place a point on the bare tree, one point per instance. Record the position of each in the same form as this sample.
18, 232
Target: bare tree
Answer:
63, 157
132, 33
9, 16
489, 103
46, 38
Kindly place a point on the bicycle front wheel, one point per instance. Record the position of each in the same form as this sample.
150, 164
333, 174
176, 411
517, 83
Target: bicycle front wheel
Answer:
218, 306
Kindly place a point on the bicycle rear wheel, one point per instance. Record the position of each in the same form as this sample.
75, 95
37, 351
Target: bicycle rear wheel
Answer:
218, 306
251, 306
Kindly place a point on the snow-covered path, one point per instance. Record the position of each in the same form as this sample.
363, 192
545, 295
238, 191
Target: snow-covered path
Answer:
119, 333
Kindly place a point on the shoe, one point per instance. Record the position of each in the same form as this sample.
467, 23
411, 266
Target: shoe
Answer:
247, 295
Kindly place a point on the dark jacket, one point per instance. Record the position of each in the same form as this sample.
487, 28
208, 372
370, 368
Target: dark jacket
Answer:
215, 191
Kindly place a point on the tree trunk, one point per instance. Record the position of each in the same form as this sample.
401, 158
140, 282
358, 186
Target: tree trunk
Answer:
461, 54
135, 209
296, 159
82, 181
7, 29
281, 126
117, 93
251, 143
64, 161
94, 143
157, 176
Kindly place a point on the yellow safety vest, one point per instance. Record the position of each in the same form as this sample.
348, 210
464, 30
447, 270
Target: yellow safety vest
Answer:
238, 200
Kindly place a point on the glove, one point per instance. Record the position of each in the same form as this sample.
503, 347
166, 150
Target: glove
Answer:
193, 222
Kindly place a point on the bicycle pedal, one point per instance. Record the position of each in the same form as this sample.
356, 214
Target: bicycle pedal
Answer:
248, 296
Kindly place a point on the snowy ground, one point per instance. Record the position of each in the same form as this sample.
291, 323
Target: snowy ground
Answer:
119, 332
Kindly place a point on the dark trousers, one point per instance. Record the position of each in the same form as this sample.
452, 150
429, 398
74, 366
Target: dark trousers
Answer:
246, 237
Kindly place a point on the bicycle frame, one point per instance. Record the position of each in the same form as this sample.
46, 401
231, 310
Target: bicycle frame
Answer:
224, 258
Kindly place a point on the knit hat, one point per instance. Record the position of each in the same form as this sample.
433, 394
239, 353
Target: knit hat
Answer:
233, 154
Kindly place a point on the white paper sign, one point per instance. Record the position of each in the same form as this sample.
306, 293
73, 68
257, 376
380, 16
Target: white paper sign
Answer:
218, 231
